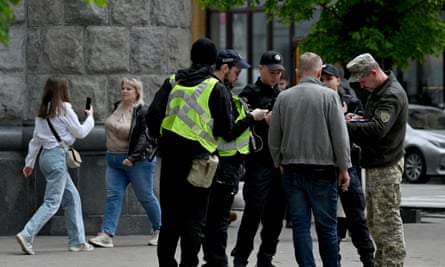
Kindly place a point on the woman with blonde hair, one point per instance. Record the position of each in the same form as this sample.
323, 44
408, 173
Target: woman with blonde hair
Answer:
55, 109
126, 163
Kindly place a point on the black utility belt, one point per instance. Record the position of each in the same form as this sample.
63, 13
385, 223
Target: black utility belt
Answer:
323, 172
311, 167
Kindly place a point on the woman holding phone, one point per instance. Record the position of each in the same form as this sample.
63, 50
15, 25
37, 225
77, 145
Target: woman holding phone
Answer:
55, 108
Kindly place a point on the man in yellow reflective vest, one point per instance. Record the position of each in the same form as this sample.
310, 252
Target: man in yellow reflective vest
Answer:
189, 112
232, 151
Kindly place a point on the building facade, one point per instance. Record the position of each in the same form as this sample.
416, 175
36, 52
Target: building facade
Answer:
249, 32
94, 48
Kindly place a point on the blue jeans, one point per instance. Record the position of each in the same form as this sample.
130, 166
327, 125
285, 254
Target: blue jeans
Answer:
117, 178
312, 190
60, 191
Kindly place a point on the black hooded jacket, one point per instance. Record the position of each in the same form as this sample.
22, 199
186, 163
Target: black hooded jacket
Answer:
219, 104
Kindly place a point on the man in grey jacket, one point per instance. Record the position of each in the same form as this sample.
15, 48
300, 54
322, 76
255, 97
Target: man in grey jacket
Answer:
308, 140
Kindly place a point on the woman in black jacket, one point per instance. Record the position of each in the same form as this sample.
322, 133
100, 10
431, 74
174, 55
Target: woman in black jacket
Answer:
126, 163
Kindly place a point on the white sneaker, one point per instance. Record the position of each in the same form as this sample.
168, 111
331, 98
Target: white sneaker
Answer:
102, 240
26, 246
154, 238
81, 248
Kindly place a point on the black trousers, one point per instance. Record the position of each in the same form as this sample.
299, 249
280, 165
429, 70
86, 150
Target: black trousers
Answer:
222, 193
265, 203
183, 213
354, 204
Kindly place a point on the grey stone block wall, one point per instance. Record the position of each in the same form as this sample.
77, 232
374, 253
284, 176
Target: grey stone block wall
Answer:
94, 48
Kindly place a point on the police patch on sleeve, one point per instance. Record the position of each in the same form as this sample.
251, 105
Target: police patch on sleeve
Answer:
385, 116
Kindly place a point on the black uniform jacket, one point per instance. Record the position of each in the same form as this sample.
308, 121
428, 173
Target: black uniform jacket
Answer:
263, 96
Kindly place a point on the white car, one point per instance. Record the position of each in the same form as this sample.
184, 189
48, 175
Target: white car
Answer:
424, 144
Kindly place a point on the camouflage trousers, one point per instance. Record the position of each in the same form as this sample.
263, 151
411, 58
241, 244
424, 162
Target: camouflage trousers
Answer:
385, 224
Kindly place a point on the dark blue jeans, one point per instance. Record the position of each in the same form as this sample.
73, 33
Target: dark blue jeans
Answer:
313, 190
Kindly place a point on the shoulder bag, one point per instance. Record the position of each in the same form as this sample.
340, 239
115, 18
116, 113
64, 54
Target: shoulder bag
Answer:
73, 159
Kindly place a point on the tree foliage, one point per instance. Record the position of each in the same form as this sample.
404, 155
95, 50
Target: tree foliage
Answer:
7, 16
393, 31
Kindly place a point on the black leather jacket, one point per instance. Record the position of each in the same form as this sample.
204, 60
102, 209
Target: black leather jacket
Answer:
137, 146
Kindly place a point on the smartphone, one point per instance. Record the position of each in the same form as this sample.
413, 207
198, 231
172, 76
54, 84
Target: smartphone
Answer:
88, 103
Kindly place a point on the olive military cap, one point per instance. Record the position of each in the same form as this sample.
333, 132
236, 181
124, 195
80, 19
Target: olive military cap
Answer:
359, 66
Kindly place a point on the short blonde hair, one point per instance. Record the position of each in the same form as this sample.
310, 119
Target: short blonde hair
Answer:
137, 85
310, 64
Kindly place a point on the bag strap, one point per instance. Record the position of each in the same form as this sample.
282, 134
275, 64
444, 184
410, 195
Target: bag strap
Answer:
54, 131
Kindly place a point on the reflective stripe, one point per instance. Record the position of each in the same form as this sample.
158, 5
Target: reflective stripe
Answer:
182, 112
191, 100
241, 143
188, 113
233, 145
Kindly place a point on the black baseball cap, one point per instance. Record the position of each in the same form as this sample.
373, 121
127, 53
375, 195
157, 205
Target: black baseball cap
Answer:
273, 60
330, 70
227, 56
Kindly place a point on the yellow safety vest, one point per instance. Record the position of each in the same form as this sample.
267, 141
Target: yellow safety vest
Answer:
241, 143
188, 113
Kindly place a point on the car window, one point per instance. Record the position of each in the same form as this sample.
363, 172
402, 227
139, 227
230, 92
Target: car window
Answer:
426, 119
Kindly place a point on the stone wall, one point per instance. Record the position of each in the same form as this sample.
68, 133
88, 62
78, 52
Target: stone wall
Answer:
94, 48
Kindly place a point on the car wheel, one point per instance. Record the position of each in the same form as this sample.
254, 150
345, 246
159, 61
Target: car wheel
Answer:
415, 168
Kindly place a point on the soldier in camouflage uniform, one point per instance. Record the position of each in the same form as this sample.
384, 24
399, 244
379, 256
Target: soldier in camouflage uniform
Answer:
380, 133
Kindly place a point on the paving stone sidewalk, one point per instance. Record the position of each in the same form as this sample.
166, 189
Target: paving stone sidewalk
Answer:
425, 246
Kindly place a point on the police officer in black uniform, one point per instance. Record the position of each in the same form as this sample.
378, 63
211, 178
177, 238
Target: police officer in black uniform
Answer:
263, 191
